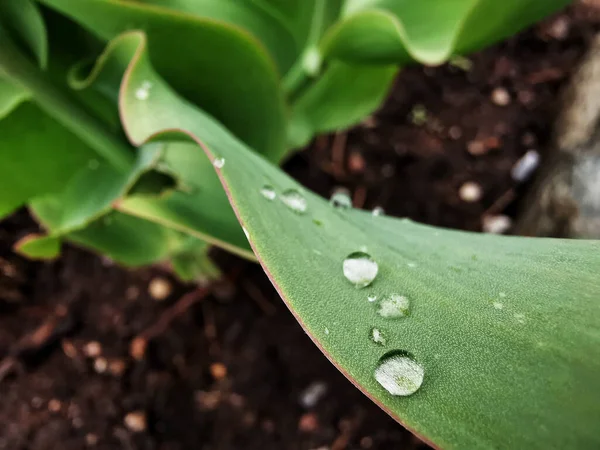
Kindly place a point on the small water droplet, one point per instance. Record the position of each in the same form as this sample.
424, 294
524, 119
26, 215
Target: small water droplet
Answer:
360, 269
219, 162
412, 265
502, 294
394, 307
378, 211
498, 305
372, 298
268, 192
520, 317
341, 199
327, 331
143, 92
399, 373
377, 336
246, 233
294, 200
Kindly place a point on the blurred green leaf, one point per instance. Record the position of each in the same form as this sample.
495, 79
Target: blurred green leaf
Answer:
217, 66
23, 21
506, 329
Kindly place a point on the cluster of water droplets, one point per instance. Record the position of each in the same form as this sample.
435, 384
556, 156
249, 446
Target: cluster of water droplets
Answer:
143, 92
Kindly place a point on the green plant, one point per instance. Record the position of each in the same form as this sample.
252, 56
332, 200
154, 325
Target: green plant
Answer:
500, 334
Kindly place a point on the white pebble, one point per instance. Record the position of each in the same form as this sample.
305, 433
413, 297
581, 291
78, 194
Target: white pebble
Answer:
310, 396
470, 192
135, 421
500, 96
524, 167
159, 288
499, 224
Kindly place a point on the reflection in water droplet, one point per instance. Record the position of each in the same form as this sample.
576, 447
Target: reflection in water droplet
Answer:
143, 92
360, 269
294, 200
246, 233
219, 162
378, 211
498, 305
268, 192
394, 307
372, 298
326, 330
399, 374
341, 199
377, 336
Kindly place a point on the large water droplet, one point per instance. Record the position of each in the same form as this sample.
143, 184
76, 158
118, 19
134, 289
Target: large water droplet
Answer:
372, 298
360, 269
341, 199
377, 336
394, 307
268, 192
219, 162
399, 373
294, 200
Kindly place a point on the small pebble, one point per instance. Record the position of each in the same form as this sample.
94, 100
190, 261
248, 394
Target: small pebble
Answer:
528, 139
477, 148
137, 348
100, 365
135, 421
92, 349
91, 439
132, 293
310, 396
218, 371
308, 423
268, 425
117, 367
236, 400
37, 402
525, 166
455, 132
54, 405
366, 442
69, 349
526, 97
470, 192
499, 224
500, 96
559, 28
356, 163
159, 288
207, 400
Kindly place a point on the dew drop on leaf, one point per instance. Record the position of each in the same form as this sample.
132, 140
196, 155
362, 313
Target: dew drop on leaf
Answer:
219, 162
327, 331
399, 373
360, 269
377, 336
378, 211
143, 92
372, 298
341, 200
498, 305
294, 200
268, 192
394, 307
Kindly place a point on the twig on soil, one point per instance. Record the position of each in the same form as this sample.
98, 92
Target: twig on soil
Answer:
57, 325
338, 150
500, 204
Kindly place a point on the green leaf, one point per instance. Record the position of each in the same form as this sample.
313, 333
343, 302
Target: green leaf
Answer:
428, 31
224, 69
507, 329
11, 96
341, 97
38, 246
24, 22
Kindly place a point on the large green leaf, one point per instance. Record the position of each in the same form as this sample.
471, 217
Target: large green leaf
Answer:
507, 329
24, 23
218, 66
428, 31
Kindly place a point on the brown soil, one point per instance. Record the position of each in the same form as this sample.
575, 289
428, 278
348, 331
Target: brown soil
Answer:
228, 372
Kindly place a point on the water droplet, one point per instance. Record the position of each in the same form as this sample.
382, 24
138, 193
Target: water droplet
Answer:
498, 305
378, 211
399, 373
326, 330
143, 92
502, 294
294, 200
360, 269
219, 162
341, 199
377, 336
394, 307
372, 298
520, 317
412, 265
246, 233
268, 192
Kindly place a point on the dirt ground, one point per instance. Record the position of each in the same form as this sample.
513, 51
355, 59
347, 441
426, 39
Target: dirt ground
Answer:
234, 370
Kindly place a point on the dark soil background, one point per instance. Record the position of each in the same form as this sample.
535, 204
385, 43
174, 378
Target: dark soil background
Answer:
90, 359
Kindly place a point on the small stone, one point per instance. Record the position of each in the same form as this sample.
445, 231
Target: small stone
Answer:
526, 97
455, 132
236, 400
100, 365
559, 28
477, 148
92, 349
218, 371
500, 96
69, 349
135, 421
310, 396
132, 293
54, 405
308, 423
366, 442
207, 400
159, 288
356, 163
499, 224
117, 367
37, 402
91, 439
470, 192
137, 348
